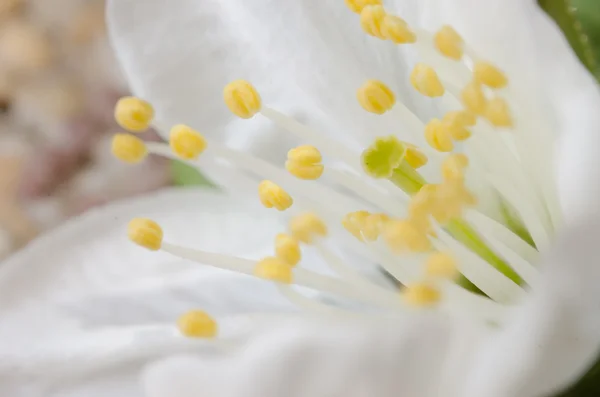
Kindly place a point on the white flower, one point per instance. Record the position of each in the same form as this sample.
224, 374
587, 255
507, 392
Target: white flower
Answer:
87, 320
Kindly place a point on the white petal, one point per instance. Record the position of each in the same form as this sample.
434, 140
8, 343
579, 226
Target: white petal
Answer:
553, 87
421, 356
92, 255
296, 54
556, 336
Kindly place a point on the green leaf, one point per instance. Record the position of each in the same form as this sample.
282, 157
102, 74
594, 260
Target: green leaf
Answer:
185, 175
580, 22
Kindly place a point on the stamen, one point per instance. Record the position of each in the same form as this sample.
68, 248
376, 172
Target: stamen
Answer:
486, 277
488, 74
375, 97
425, 80
134, 114
306, 227
271, 195
421, 295
497, 113
287, 249
454, 166
396, 29
274, 269
128, 148
197, 324
146, 233
438, 136
186, 143
242, 99
358, 5
354, 222
449, 43
404, 236
414, 157
474, 99
441, 265
304, 162
456, 123
371, 20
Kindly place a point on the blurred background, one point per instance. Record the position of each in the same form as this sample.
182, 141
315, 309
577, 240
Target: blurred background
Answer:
58, 85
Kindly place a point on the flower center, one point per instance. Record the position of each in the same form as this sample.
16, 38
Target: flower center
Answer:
429, 234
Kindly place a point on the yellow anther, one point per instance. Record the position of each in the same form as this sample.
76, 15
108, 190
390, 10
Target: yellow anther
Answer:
441, 265
456, 122
404, 236
453, 166
306, 227
274, 269
358, 5
473, 98
185, 142
422, 202
242, 99
197, 324
375, 97
374, 226
425, 80
134, 114
371, 20
354, 222
498, 113
128, 148
421, 295
396, 29
272, 195
304, 162
488, 74
287, 249
414, 157
146, 233
449, 42
438, 136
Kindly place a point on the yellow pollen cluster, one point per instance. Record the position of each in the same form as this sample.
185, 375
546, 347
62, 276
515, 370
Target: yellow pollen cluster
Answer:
287, 249
413, 156
242, 99
441, 265
197, 324
397, 30
371, 20
364, 225
406, 236
439, 136
186, 143
128, 148
498, 113
358, 5
145, 233
375, 97
307, 227
273, 196
274, 269
457, 123
449, 43
421, 295
473, 98
134, 114
304, 162
425, 80
453, 166
489, 75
